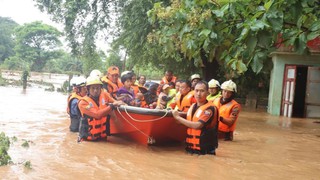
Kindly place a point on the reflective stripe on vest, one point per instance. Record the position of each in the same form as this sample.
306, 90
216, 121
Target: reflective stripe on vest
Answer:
198, 139
97, 127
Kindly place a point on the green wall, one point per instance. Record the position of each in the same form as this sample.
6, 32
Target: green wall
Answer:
280, 59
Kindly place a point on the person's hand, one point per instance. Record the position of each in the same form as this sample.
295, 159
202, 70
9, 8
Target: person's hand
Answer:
175, 113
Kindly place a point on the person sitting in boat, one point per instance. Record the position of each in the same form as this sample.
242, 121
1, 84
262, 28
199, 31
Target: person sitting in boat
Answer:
151, 97
214, 90
163, 97
111, 82
229, 110
185, 98
202, 122
94, 108
80, 90
125, 93
168, 77
142, 80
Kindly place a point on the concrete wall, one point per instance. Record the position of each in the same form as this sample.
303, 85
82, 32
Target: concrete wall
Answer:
280, 59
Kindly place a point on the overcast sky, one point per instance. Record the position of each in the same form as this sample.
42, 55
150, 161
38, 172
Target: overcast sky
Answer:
24, 11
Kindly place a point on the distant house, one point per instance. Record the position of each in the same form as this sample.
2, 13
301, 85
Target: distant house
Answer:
295, 82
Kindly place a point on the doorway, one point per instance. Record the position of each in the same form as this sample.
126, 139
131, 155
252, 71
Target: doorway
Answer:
300, 92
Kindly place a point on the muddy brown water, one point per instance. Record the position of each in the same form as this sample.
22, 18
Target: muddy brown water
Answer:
265, 147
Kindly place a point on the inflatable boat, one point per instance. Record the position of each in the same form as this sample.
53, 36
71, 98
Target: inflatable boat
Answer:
146, 126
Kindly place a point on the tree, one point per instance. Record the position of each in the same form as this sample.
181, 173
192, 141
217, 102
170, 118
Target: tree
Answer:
37, 43
6, 38
239, 34
185, 34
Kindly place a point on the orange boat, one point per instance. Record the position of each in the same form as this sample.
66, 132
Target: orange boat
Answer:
147, 126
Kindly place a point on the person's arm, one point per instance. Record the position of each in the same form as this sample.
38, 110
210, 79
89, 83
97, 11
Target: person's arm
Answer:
190, 124
97, 114
229, 121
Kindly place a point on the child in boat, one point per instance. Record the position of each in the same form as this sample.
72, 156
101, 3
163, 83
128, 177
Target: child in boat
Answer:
125, 93
163, 97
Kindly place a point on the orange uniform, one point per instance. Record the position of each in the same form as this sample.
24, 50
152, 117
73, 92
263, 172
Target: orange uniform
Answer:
91, 128
204, 140
229, 110
111, 87
183, 103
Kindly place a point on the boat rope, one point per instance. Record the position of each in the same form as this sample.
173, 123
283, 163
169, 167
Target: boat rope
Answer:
149, 120
133, 125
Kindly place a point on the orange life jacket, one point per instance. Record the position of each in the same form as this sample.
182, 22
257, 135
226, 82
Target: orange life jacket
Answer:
135, 89
206, 138
184, 104
90, 128
70, 98
165, 81
111, 87
225, 112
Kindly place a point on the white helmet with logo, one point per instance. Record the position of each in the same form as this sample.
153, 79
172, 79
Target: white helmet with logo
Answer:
96, 72
229, 86
213, 83
93, 80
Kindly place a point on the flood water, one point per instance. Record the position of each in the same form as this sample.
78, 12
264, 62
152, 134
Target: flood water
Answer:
264, 147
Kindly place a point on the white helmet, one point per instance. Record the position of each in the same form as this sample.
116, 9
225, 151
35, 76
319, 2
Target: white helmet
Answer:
96, 72
73, 81
195, 76
229, 86
125, 72
93, 80
213, 83
80, 81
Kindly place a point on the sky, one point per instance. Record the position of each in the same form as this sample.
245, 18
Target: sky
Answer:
24, 11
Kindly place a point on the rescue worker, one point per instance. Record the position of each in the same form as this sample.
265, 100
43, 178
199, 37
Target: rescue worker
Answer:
229, 110
168, 77
80, 90
96, 72
94, 109
214, 90
185, 98
202, 122
195, 78
111, 81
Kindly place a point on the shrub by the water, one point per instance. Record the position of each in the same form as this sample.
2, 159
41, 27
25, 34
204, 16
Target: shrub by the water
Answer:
4, 147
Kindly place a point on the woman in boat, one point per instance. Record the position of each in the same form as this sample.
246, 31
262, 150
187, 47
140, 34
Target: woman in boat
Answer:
94, 109
126, 93
202, 122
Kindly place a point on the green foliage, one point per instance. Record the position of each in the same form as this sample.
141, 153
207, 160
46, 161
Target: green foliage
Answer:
25, 144
27, 165
37, 43
4, 147
244, 31
7, 26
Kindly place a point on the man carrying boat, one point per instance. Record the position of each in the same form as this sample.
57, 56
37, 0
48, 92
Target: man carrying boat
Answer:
202, 122
94, 109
